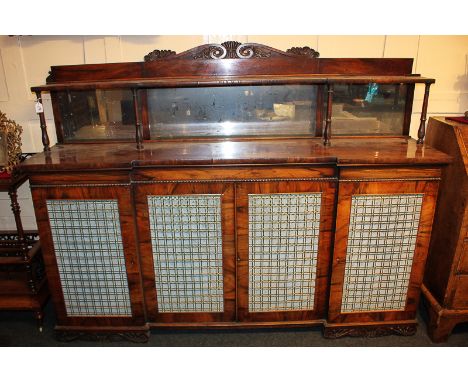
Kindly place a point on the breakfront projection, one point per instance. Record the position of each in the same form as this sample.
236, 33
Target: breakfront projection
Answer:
235, 185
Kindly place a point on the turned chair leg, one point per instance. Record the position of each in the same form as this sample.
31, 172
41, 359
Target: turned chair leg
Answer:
39, 315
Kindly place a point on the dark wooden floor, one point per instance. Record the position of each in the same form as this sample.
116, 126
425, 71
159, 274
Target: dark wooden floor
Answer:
19, 329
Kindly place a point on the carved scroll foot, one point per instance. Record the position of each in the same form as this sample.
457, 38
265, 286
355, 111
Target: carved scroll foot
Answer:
69, 336
370, 331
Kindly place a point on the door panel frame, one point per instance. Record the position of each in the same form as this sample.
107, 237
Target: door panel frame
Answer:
346, 190
119, 192
141, 193
328, 190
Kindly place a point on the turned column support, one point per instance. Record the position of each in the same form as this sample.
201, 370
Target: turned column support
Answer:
138, 131
40, 112
327, 131
422, 125
15, 207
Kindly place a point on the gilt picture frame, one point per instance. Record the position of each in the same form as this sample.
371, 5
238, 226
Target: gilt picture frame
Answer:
10, 143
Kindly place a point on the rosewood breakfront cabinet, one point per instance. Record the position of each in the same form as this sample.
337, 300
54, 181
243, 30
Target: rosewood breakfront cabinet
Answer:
206, 189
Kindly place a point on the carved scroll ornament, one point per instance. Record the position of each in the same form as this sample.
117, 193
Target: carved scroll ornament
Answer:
232, 49
304, 51
157, 54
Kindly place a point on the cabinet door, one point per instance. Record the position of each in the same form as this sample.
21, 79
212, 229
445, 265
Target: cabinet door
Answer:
186, 234
88, 241
381, 241
283, 245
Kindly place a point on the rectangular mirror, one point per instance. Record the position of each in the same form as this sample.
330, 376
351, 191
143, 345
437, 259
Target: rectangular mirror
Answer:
368, 109
235, 111
97, 115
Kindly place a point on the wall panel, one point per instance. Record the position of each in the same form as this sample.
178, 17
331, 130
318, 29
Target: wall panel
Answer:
41, 52
4, 96
285, 42
94, 49
446, 59
26, 60
402, 47
351, 46
134, 48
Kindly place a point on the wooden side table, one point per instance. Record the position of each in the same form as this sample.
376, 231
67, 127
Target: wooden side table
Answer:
23, 285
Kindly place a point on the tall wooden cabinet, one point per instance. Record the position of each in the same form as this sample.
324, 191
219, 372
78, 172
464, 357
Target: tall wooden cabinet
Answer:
234, 206
446, 281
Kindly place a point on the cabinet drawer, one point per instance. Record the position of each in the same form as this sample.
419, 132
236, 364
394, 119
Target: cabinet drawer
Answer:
460, 299
463, 264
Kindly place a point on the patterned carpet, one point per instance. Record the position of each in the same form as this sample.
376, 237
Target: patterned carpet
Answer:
19, 329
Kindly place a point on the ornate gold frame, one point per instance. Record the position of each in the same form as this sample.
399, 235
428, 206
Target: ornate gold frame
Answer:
12, 133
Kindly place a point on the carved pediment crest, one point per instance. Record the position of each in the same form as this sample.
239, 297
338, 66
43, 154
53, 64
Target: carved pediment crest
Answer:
231, 49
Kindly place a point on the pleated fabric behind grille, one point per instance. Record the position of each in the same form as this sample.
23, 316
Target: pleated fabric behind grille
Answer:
283, 247
186, 238
88, 248
381, 243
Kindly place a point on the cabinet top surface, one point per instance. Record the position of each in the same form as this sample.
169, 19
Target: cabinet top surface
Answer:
451, 123
342, 152
460, 131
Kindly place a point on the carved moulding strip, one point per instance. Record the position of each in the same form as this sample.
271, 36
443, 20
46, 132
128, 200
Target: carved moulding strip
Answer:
370, 331
139, 337
389, 179
234, 180
80, 185
30, 237
181, 181
157, 54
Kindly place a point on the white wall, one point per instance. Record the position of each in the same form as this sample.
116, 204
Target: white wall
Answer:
26, 60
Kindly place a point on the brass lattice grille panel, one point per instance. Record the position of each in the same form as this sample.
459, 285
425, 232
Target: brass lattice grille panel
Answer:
283, 246
186, 238
89, 252
381, 243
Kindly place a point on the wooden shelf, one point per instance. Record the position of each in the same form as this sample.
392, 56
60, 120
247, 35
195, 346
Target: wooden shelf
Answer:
313, 79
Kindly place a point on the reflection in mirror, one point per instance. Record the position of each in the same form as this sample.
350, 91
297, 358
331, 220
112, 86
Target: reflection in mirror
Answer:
97, 115
369, 109
276, 110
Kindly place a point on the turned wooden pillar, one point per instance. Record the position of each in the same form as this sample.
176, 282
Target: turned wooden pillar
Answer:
396, 96
40, 111
15, 207
139, 133
327, 132
422, 125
